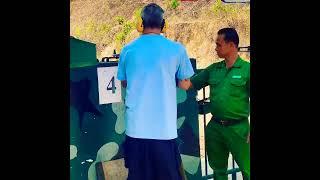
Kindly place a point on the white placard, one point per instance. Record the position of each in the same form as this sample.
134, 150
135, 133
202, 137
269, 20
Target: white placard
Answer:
108, 85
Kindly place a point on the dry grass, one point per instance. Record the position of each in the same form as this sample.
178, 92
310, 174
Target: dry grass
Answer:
194, 24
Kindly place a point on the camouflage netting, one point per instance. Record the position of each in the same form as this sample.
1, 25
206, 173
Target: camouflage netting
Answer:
98, 131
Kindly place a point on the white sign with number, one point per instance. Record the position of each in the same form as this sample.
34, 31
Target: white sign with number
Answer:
108, 85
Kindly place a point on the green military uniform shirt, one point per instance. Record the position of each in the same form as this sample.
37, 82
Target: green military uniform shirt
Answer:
229, 88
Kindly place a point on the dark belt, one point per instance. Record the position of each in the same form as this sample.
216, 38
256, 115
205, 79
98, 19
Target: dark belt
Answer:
227, 122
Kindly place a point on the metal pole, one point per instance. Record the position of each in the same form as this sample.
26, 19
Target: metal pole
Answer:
234, 174
204, 134
230, 171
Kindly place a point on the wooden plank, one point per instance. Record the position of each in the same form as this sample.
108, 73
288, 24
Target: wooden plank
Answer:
111, 170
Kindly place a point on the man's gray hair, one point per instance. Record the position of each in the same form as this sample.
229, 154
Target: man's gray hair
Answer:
152, 15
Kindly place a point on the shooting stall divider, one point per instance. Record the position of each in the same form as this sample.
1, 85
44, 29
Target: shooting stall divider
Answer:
97, 127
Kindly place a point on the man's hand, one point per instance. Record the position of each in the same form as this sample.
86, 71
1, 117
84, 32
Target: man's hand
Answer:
124, 84
248, 138
184, 84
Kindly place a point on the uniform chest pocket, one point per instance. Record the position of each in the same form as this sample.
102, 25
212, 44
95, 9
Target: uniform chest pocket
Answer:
237, 82
237, 87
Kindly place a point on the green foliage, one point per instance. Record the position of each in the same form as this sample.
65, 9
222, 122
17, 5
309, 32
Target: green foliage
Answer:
174, 4
77, 32
92, 30
220, 8
137, 13
121, 36
120, 20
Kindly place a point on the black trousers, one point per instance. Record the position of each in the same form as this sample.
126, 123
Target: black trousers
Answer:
150, 159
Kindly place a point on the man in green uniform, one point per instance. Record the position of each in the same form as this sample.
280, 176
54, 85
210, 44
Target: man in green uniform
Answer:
229, 129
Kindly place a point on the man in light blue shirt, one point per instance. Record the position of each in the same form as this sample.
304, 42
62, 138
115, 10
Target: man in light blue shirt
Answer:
148, 69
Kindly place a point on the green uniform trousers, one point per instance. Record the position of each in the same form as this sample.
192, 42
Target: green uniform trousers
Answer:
220, 141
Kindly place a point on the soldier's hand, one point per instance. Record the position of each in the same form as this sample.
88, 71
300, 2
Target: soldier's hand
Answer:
185, 84
248, 138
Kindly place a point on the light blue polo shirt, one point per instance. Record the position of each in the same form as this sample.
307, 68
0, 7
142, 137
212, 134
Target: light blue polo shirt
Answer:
150, 65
